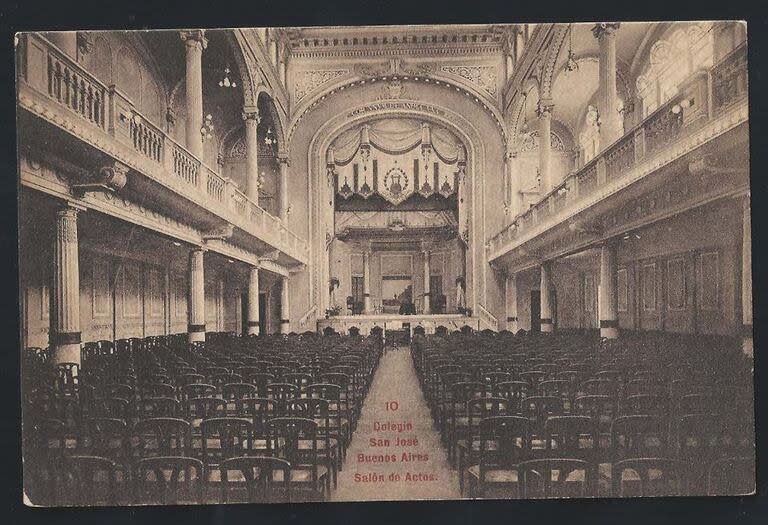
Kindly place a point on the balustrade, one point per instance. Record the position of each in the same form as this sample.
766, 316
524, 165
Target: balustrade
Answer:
50, 72
147, 139
74, 88
185, 166
692, 107
729, 78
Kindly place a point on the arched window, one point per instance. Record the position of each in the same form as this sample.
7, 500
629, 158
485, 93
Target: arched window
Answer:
672, 60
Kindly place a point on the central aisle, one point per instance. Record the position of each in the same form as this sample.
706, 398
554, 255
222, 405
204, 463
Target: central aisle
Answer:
396, 380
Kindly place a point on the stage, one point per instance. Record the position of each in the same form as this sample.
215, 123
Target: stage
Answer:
365, 323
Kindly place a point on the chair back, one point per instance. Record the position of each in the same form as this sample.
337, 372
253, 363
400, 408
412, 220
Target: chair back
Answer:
266, 479
170, 480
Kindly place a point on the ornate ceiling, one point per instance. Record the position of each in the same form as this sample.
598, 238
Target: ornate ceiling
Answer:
368, 41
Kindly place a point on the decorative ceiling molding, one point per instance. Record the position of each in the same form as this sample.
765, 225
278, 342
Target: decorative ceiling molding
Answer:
309, 81
482, 76
392, 40
426, 73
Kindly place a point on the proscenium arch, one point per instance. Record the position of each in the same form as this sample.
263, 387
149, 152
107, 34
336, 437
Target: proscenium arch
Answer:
463, 129
480, 98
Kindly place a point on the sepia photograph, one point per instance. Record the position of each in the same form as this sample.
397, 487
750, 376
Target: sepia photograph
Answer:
385, 263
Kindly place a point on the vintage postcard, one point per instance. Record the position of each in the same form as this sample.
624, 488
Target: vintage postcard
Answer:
385, 263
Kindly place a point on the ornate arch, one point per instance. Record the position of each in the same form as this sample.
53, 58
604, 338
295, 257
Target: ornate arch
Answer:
423, 73
549, 63
275, 116
518, 107
464, 130
244, 68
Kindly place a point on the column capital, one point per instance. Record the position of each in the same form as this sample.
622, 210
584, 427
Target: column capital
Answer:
605, 29
544, 108
69, 210
251, 113
282, 158
193, 37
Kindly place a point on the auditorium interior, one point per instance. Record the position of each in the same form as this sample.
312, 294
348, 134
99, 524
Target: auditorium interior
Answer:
339, 263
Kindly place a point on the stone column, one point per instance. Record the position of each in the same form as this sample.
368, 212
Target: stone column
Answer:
546, 304
746, 280
610, 118
196, 307
65, 325
195, 42
607, 298
366, 282
252, 120
544, 112
285, 312
515, 197
253, 327
427, 292
282, 158
510, 292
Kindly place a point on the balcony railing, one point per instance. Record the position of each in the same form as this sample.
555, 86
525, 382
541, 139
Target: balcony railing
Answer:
707, 95
58, 78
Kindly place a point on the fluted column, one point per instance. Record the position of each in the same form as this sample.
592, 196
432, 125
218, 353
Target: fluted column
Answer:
546, 302
746, 280
252, 120
427, 292
282, 158
196, 309
544, 112
610, 118
65, 333
511, 302
285, 312
607, 305
195, 42
366, 282
253, 301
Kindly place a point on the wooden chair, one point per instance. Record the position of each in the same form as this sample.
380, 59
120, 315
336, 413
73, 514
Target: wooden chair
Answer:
169, 480
504, 442
161, 436
90, 480
557, 478
295, 440
650, 477
263, 480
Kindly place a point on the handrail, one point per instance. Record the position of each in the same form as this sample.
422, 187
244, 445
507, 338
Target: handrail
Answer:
305, 318
48, 70
488, 317
723, 84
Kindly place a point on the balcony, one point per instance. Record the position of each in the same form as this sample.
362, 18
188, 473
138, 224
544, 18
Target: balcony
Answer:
708, 105
56, 89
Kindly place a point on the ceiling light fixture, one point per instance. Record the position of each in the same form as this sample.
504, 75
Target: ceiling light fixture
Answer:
226, 82
571, 64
